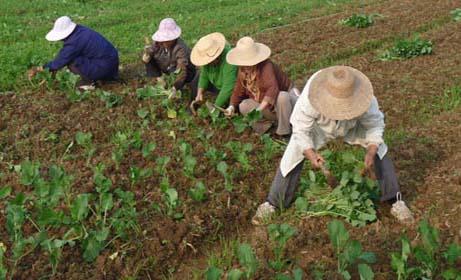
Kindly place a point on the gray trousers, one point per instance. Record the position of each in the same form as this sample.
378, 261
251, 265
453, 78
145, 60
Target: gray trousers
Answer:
283, 189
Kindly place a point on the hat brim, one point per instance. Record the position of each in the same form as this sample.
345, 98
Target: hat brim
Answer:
340, 108
54, 35
239, 58
203, 59
161, 36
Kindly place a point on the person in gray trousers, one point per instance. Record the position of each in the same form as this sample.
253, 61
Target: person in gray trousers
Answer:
336, 102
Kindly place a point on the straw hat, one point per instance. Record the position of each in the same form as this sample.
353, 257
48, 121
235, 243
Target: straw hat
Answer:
207, 49
62, 28
248, 53
168, 30
340, 93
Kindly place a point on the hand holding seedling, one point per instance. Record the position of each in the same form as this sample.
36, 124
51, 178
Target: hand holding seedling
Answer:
33, 71
316, 160
229, 112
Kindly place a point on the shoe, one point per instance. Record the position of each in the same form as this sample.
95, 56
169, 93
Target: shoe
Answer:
87, 87
400, 211
264, 212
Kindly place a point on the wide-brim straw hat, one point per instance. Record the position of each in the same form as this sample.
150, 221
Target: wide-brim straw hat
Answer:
62, 28
207, 49
340, 93
248, 53
168, 30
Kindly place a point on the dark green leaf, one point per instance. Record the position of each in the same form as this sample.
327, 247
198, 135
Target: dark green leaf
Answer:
365, 272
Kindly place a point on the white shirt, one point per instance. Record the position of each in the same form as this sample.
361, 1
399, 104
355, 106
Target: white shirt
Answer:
313, 130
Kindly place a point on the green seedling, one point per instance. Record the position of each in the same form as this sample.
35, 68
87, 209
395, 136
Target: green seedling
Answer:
5, 192
189, 161
456, 14
247, 259
349, 252
121, 140
85, 140
280, 234
198, 193
399, 260
240, 152
3, 268
152, 92
29, 172
297, 275
271, 148
125, 217
67, 80
406, 49
161, 164
452, 254
358, 20
172, 202
215, 155
137, 174
147, 149
111, 99
213, 273
75, 96
223, 169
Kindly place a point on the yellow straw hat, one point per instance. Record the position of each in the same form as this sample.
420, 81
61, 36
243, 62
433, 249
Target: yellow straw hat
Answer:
248, 53
207, 49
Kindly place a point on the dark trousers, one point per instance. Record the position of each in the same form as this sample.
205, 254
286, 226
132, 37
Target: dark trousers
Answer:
283, 189
84, 80
194, 87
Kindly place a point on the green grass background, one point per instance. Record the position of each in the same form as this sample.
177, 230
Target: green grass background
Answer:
24, 24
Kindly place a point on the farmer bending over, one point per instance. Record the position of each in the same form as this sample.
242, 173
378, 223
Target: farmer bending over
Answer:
336, 102
261, 85
168, 54
85, 52
216, 75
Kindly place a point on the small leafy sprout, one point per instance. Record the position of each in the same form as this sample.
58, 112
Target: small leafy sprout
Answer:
456, 14
111, 99
358, 21
349, 252
240, 152
75, 96
67, 80
137, 174
406, 49
85, 140
223, 169
215, 155
198, 193
172, 202
147, 149
248, 260
3, 268
280, 234
161, 164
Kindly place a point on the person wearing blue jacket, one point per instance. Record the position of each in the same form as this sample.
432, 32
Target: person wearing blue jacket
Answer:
85, 52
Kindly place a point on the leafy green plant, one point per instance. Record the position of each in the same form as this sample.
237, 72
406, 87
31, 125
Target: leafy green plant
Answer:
358, 20
349, 252
125, 217
152, 92
240, 152
405, 49
215, 155
451, 98
198, 193
223, 169
456, 14
161, 164
137, 174
188, 159
75, 96
147, 149
242, 122
111, 99
297, 275
172, 201
3, 268
66, 80
426, 257
247, 259
86, 141
270, 148
280, 234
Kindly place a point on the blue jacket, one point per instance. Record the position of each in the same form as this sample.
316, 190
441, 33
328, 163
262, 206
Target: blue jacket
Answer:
94, 56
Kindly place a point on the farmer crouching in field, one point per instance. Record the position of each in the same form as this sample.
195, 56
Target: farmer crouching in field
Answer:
337, 102
216, 75
168, 54
85, 52
261, 85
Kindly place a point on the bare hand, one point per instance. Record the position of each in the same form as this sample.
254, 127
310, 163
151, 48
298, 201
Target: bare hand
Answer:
316, 160
33, 71
199, 97
369, 157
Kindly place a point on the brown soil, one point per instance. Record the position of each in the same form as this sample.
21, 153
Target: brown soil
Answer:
427, 157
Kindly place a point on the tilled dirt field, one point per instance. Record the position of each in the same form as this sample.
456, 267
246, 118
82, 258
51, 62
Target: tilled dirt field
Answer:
427, 157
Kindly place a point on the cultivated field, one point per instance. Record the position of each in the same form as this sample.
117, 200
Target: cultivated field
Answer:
121, 183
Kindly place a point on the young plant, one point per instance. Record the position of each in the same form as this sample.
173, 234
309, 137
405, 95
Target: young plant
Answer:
161, 164
172, 202
188, 159
67, 80
405, 49
223, 169
271, 148
215, 155
147, 149
86, 141
248, 260
121, 140
198, 193
240, 152
349, 252
137, 174
280, 234
111, 99
125, 217
75, 96
3, 268
358, 21
456, 14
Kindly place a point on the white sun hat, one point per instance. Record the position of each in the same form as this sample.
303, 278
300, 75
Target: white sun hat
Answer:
62, 28
207, 49
168, 30
248, 53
